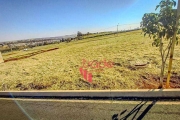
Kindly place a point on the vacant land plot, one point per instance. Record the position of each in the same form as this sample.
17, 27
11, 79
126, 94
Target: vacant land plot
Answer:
59, 69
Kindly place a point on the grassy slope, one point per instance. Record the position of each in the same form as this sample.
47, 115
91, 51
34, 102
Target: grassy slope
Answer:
59, 69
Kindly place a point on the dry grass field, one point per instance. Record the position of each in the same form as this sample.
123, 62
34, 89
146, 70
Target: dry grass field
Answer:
59, 69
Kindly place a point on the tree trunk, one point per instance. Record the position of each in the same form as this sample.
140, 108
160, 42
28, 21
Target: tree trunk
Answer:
170, 62
162, 66
161, 75
173, 44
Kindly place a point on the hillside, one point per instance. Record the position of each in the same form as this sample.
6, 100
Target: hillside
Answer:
59, 69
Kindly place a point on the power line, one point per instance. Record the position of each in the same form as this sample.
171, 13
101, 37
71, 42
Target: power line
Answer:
104, 28
114, 27
129, 24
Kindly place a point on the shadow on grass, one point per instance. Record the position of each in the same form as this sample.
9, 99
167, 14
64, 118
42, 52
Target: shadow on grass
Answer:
135, 110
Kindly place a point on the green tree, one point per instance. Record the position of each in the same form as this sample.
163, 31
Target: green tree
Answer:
161, 27
79, 35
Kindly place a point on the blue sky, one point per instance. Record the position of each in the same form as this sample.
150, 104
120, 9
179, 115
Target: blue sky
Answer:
23, 19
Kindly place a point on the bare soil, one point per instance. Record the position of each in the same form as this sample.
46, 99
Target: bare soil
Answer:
150, 81
29, 55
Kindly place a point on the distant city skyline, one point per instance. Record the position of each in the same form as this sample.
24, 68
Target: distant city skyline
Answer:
27, 19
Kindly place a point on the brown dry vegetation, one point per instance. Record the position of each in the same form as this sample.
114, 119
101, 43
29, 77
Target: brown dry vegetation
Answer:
59, 69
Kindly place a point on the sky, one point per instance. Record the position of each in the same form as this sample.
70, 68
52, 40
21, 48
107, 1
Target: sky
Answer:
26, 19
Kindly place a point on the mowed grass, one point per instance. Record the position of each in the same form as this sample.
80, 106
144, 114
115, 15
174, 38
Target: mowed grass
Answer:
59, 69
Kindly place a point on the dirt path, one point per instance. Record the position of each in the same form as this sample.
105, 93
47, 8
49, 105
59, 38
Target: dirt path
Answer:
28, 55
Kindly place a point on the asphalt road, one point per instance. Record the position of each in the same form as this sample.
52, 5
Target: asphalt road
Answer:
46, 109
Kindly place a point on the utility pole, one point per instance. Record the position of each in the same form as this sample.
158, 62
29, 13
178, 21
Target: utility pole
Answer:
117, 28
173, 44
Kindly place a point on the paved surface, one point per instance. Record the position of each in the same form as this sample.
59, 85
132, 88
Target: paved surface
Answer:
44, 109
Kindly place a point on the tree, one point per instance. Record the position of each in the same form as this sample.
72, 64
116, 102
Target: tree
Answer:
161, 27
79, 35
68, 40
62, 39
173, 44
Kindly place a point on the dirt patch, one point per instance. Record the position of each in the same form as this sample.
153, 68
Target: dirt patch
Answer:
28, 55
117, 64
33, 86
150, 81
